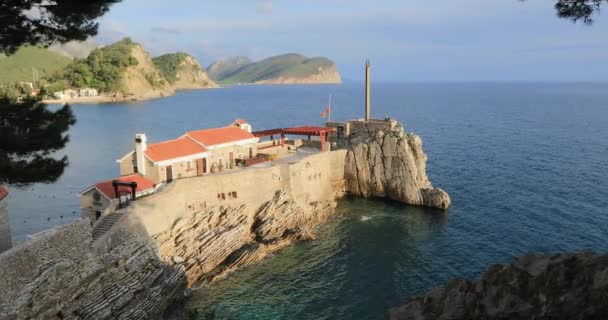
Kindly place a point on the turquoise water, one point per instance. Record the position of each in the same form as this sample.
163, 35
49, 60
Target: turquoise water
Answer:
525, 165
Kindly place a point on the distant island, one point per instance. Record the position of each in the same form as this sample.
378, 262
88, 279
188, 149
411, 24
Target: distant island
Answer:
124, 71
291, 68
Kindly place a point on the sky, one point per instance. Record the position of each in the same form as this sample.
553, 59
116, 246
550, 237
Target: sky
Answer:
406, 40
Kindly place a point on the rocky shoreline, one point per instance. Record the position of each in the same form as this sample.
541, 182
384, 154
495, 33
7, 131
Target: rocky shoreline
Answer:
565, 286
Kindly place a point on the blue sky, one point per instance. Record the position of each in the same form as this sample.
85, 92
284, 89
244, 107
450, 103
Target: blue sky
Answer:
407, 40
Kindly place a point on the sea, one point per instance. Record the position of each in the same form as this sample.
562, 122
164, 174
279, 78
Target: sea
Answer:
526, 166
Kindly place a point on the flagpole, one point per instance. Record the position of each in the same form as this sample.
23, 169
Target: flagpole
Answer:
329, 105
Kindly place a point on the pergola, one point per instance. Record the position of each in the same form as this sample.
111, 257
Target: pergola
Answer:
309, 131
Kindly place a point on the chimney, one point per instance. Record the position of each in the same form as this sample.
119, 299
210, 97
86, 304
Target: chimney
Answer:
140, 148
367, 90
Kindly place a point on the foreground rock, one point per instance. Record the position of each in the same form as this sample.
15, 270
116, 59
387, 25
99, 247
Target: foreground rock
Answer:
565, 286
62, 275
387, 163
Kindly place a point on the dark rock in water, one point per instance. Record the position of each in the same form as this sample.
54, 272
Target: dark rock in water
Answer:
534, 286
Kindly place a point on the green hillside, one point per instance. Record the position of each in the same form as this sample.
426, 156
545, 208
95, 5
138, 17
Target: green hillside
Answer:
18, 67
168, 65
288, 66
103, 69
225, 67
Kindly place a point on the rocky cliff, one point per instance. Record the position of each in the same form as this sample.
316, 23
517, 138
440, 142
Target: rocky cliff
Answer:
211, 243
383, 161
182, 71
534, 286
144, 81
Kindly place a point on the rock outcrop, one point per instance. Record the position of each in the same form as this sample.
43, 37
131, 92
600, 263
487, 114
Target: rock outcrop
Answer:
534, 286
191, 75
383, 161
216, 241
62, 275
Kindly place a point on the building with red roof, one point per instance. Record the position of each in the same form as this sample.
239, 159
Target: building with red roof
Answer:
101, 199
195, 153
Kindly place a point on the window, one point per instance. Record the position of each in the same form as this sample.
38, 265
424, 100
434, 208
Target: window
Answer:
188, 165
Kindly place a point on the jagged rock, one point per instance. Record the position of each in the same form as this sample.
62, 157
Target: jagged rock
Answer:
387, 163
534, 286
216, 241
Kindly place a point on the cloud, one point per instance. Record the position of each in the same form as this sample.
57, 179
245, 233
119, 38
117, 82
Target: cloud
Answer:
75, 49
266, 7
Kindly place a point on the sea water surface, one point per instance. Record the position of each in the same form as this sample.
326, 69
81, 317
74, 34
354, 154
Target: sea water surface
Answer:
526, 165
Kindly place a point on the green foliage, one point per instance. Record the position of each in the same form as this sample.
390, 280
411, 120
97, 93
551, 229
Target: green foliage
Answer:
43, 22
103, 69
18, 67
15, 91
288, 65
168, 65
154, 80
30, 134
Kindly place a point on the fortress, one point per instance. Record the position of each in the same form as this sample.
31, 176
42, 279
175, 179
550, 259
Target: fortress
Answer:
171, 220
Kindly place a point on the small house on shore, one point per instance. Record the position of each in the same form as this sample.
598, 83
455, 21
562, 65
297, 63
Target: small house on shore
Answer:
104, 197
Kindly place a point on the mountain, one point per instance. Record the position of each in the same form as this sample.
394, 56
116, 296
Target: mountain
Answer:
224, 67
27, 61
183, 71
125, 71
289, 68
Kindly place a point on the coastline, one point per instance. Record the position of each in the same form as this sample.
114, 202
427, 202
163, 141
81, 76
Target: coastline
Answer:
108, 99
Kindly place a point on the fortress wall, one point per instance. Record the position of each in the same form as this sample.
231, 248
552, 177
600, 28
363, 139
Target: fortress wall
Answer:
310, 179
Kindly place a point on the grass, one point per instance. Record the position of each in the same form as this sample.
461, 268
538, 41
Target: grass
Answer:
18, 67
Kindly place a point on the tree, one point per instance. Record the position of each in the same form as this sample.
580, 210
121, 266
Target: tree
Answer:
44, 22
29, 132
576, 10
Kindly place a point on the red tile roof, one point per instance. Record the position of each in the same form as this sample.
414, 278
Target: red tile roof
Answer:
211, 137
172, 149
3, 192
107, 189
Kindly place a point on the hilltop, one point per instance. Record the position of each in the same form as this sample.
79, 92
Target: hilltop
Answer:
18, 67
291, 68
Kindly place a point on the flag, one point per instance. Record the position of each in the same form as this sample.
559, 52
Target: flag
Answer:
325, 113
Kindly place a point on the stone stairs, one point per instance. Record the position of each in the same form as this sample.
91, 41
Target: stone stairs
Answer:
106, 223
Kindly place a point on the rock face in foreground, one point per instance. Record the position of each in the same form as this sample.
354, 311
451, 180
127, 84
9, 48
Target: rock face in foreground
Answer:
62, 275
211, 243
565, 286
385, 162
